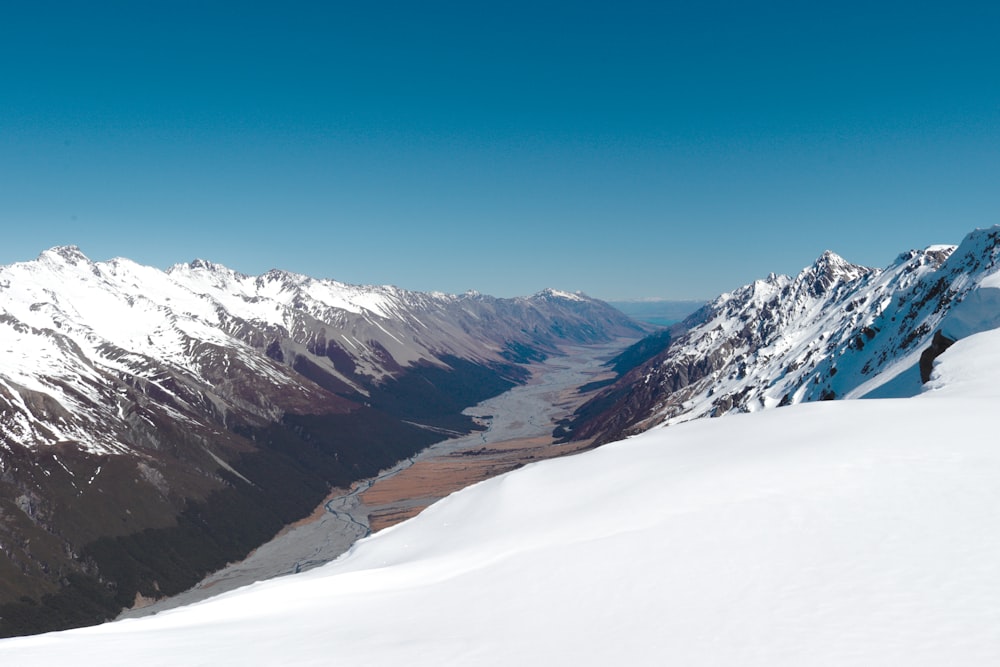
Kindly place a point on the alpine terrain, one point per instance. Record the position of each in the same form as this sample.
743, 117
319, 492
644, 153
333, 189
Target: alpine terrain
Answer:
837, 532
836, 330
156, 425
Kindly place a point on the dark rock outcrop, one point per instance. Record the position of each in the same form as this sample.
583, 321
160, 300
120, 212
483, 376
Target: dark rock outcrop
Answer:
938, 345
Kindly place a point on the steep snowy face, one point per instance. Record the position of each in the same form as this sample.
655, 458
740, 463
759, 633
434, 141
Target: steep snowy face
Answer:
963, 295
836, 330
766, 344
355, 330
259, 297
80, 341
85, 346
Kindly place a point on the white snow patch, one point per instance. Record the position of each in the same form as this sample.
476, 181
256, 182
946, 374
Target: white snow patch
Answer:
228, 467
569, 296
978, 311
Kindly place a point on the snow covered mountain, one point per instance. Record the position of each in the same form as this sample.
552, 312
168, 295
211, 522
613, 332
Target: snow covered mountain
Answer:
836, 533
837, 330
72, 331
140, 408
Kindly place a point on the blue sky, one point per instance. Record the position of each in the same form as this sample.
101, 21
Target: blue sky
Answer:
624, 149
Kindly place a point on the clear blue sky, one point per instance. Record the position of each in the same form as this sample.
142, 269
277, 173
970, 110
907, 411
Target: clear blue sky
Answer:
625, 149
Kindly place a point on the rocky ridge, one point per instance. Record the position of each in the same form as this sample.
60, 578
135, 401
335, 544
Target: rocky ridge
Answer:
836, 330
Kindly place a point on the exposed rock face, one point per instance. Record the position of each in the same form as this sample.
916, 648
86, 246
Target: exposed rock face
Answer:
938, 345
154, 425
836, 330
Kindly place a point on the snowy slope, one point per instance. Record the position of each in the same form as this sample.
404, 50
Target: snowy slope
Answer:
836, 330
74, 333
836, 533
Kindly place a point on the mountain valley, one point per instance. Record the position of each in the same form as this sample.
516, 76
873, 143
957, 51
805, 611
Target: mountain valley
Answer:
158, 425
721, 502
837, 532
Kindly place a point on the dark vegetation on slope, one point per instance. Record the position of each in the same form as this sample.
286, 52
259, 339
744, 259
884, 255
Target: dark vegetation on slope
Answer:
127, 486
297, 462
519, 353
642, 351
292, 466
433, 395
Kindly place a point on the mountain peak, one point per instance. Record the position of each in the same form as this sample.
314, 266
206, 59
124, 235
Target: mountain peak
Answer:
828, 270
978, 252
69, 254
206, 268
552, 293
202, 264
277, 274
831, 261
286, 279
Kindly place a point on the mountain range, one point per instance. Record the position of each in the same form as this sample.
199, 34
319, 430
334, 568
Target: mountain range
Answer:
158, 424
836, 330
155, 425
819, 532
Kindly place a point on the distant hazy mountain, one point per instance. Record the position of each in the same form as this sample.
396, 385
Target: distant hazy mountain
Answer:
657, 311
155, 425
837, 330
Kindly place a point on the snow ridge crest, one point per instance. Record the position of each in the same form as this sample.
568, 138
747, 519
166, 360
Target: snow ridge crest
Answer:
836, 330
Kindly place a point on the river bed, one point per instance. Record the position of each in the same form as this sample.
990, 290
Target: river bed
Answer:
524, 414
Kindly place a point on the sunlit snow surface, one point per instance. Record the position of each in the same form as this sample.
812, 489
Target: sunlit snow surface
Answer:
70, 328
840, 533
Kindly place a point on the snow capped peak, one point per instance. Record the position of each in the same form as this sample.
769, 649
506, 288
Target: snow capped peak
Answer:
940, 248
829, 269
829, 333
280, 275
202, 264
67, 324
278, 280
831, 262
838, 330
978, 252
64, 254
551, 293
